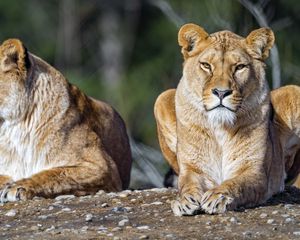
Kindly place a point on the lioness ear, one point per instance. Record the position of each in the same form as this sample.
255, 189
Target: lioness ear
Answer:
190, 37
14, 56
260, 42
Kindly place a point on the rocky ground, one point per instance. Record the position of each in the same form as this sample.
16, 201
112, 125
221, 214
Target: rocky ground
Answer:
145, 215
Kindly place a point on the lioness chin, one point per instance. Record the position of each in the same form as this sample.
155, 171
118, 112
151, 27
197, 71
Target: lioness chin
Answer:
54, 139
231, 142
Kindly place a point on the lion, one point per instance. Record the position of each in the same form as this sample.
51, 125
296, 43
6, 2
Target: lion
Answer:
53, 138
232, 142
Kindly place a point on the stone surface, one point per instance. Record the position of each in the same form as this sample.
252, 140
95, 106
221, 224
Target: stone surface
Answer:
145, 215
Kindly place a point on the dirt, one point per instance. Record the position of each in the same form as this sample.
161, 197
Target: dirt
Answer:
145, 215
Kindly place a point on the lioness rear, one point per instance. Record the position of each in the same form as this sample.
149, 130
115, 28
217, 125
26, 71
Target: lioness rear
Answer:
53, 138
231, 142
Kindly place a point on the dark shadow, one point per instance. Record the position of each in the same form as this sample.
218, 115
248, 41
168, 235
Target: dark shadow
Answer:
291, 195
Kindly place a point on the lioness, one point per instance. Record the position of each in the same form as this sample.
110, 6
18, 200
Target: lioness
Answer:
53, 138
231, 142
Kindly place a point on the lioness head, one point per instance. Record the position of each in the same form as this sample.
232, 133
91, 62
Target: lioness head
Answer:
14, 67
224, 71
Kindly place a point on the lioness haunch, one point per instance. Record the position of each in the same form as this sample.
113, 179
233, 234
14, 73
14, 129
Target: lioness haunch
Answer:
231, 141
53, 138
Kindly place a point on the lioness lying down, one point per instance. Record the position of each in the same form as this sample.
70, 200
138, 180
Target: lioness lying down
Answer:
54, 139
231, 141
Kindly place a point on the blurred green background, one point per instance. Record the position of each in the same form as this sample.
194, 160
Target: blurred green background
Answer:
126, 52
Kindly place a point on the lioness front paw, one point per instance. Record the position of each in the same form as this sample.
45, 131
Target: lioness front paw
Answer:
216, 202
188, 204
14, 192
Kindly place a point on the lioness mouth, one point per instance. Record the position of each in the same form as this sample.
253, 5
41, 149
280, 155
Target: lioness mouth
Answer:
221, 106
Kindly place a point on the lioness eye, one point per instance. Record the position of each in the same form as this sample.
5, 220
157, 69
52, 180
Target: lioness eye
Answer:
240, 67
205, 66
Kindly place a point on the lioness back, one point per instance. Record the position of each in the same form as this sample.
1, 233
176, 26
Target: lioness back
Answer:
53, 138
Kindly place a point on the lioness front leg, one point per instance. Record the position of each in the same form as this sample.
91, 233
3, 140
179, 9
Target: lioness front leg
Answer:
247, 189
57, 181
192, 185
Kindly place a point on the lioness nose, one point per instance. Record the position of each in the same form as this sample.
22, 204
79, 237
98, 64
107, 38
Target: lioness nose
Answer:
221, 93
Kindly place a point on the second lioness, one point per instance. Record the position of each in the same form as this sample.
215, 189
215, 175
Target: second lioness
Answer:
231, 142
53, 138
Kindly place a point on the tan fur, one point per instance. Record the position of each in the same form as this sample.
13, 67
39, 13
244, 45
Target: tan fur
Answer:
53, 138
238, 154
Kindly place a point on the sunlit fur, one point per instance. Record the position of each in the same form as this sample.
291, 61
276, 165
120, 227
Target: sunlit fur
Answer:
53, 138
239, 153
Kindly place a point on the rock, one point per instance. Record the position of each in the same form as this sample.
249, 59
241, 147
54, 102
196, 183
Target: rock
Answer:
84, 228
128, 209
297, 233
101, 192
11, 213
159, 190
102, 228
50, 228
289, 220
123, 222
144, 237
104, 205
247, 234
119, 209
288, 206
63, 197
145, 227
263, 215
233, 220
112, 195
88, 217
270, 221
123, 194
66, 209
156, 203
170, 236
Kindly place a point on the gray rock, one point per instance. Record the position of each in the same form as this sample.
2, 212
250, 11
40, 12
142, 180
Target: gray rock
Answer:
89, 217
233, 220
104, 205
144, 237
270, 221
144, 227
263, 215
66, 209
289, 220
123, 222
11, 213
63, 197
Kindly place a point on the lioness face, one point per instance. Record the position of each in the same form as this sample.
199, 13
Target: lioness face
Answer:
224, 71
